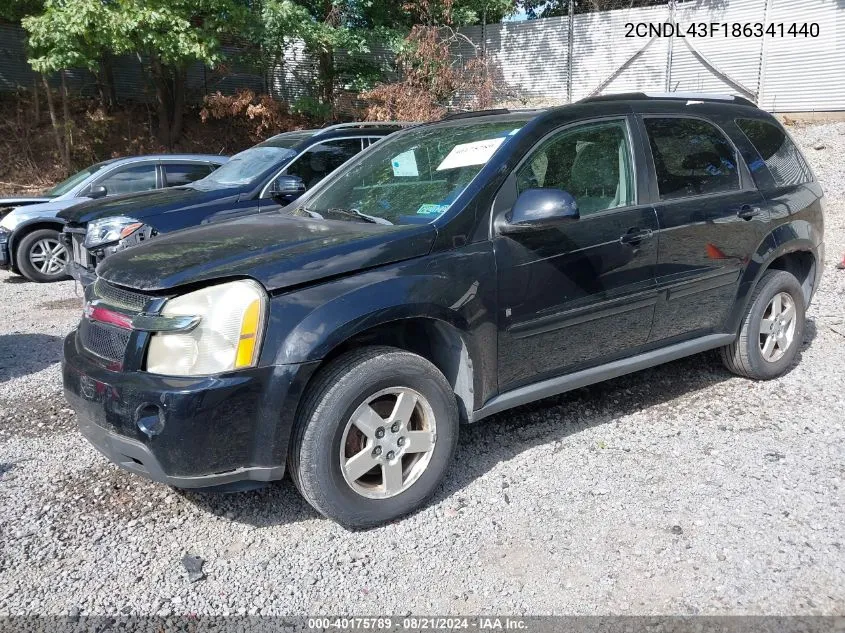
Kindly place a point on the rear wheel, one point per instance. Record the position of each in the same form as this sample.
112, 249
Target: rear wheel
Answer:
772, 331
375, 436
42, 257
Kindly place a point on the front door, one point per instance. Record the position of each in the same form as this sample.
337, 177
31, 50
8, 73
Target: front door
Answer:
711, 217
578, 293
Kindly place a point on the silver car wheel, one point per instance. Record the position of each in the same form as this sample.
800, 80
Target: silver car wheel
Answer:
48, 256
777, 329
388, 443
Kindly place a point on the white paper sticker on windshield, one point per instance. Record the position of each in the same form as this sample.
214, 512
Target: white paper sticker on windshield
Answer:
466, 154
405, 164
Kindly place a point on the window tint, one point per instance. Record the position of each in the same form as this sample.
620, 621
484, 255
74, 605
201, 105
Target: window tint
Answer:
777, 150
591, 162
691, 158
130, 180
321, 160
185, 173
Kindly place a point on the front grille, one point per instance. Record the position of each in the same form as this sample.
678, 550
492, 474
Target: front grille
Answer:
102, 339
118, 297
106, 341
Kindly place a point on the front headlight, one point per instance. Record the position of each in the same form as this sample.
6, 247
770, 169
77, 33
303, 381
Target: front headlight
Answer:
228, 336
107, 230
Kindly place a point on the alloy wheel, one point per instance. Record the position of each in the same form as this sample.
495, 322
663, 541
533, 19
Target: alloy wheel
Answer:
777, 329
388, 443
48, 256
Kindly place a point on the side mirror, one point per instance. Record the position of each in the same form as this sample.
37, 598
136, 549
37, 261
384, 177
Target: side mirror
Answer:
286, 189
540, 208
97, 192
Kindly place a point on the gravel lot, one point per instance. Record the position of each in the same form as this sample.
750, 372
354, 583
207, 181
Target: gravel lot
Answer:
677, 490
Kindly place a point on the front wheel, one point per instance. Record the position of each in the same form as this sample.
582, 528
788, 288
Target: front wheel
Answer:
42, 256
772, 331
375, 436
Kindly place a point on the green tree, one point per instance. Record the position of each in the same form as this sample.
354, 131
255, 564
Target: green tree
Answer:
166, 35
15, 10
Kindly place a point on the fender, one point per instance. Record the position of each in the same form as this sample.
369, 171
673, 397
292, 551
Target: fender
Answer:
456, 290
789, 237
25, 227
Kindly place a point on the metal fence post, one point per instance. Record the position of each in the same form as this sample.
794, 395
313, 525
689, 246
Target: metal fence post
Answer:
570, 61
761, 69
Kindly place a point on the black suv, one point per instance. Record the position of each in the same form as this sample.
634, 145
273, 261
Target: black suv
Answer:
263, 178
455, 270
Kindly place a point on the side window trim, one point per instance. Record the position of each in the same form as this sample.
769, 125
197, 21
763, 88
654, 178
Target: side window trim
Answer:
281, 171
746, 182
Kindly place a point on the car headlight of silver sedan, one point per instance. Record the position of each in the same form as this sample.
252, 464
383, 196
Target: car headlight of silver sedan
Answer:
228, 335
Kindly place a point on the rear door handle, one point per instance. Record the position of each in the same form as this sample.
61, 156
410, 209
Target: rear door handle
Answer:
746, 212
636, 235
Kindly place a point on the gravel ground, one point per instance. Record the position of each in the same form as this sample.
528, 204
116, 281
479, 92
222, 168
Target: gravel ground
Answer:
677, 490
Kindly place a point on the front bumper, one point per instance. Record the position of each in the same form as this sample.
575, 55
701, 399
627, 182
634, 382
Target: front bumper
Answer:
215, 430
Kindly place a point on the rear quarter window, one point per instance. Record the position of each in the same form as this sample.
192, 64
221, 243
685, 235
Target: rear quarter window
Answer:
779, 153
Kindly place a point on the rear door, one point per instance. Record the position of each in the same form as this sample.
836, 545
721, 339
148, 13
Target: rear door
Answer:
582, 292
710, 215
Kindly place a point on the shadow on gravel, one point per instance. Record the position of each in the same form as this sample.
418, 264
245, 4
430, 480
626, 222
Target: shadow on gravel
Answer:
15, 279
23, 354
274, 504
503, 436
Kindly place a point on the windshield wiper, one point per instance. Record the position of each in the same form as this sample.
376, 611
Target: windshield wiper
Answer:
372, 219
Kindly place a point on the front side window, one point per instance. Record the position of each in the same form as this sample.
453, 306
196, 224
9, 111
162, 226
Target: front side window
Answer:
130, 180
691, 158
591, 162
778, 152
413, 177
176, 174
322, 159
66, 185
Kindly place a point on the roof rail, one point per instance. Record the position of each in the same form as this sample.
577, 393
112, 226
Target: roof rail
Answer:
473, 113
360, 124
686, 96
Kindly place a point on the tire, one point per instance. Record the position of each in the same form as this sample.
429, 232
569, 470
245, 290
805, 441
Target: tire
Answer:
324, 428
43, 243
746, 356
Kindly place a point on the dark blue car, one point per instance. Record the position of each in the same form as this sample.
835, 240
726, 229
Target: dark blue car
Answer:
262, 178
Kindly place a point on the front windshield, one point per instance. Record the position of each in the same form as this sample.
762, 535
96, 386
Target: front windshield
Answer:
413, 178
246, 167
66, 185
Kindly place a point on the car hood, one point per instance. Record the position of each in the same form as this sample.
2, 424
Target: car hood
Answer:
278, 250
145, 204
19, 201
19, 215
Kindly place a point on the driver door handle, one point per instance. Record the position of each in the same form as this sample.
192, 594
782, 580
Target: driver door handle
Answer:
636, 235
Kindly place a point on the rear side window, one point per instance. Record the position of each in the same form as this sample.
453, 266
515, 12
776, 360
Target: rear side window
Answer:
185, 173
777, 150
691, 158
